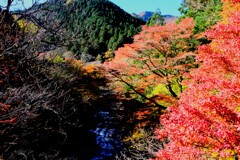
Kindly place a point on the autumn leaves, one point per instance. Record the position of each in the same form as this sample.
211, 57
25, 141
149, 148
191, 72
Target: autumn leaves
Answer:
158, 56
204, 121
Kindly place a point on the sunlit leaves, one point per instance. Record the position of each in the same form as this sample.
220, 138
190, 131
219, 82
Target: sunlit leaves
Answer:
158, 55
206, 122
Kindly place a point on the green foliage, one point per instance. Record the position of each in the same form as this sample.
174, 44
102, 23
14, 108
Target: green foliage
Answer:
94, 26
109, 55
156, 19
58, 59
162, 89
99, 58
27, 26
205, 13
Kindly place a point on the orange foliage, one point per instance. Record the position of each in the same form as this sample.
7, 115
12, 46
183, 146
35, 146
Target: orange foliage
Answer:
206, 123
89, 69
156, 56
229, 9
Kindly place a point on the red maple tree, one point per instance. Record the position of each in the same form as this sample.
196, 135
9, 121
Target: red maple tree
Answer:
206, 123
158, 55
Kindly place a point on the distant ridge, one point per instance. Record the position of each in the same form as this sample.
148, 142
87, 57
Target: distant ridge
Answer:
147, 14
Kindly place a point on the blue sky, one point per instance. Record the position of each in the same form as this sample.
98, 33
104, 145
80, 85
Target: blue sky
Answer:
17, 4
132, 6
136, 6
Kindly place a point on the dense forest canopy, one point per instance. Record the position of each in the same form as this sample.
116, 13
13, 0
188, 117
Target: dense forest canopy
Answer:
92, 27
205, 123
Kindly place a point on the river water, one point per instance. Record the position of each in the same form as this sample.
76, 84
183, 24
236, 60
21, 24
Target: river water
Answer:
108, 137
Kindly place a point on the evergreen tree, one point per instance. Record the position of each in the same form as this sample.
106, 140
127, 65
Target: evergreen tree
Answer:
94, 26
156, 19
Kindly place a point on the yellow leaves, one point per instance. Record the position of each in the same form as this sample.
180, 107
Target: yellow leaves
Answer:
69, 2
76, 64
95, 71
215, 46
228, 10
27, 26
160, 88
138, 135
58, 59
237, 109
214, 92
230, 155
135, 137
109, 55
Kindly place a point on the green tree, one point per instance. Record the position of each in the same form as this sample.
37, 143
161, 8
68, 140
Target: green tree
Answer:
109, 55
99, 58
156, 18
205, 13
95, 22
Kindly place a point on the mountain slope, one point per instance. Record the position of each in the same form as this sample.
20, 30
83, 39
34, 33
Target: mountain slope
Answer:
94, 26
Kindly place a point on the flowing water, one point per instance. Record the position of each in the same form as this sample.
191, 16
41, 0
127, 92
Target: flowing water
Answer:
107, 136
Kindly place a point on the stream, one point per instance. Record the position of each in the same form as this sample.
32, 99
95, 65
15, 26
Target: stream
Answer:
108, 137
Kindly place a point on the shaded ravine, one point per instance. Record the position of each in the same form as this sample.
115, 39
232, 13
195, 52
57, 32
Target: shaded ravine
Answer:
107, 137
107, 131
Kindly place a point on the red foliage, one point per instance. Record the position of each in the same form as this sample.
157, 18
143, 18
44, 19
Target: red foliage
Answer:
153, 58
233, 1
8, 73
10, 121
3, 110
206, 123
8, 77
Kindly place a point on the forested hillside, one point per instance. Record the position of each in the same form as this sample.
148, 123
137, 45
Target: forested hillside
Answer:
163, 91
92, 27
